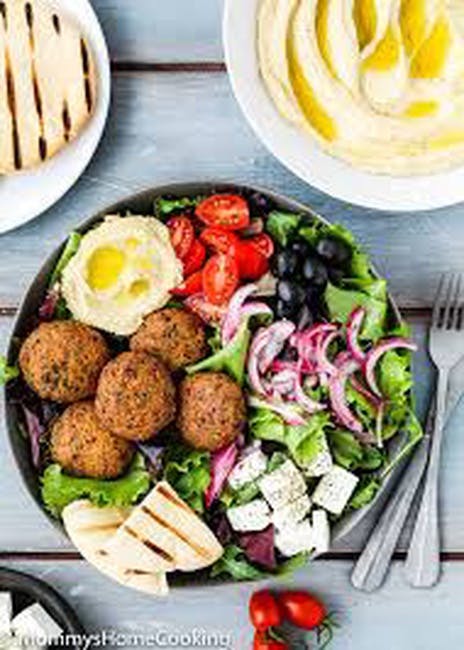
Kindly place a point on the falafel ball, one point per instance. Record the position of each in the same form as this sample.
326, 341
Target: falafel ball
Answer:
62, 360
212, 411
176, 336
83, 447
136, 396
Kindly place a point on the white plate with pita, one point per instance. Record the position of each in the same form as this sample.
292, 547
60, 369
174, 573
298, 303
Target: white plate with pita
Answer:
60, 140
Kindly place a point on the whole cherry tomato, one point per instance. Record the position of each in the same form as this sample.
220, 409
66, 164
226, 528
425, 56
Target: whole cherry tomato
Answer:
252, 264
264, 610
262, 641
220, 278
218, 239
228, 211
195, 258
182, 235
263, 244
302, 609
191, 285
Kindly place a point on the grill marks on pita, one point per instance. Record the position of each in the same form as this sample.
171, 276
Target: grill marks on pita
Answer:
47, 86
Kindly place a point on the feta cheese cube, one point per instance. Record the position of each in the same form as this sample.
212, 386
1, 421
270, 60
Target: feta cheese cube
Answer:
295, 539
248, 469
253, 516
321, 531
292, 513
283, 485
6, 612
322, 463
35, 627
335, 489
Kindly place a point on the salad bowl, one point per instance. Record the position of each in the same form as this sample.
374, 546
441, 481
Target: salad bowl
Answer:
143, 204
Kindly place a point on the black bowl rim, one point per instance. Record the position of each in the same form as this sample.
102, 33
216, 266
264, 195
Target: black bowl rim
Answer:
27, 471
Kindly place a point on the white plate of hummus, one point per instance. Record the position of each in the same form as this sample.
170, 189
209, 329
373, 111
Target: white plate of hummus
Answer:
58, 87
363, 99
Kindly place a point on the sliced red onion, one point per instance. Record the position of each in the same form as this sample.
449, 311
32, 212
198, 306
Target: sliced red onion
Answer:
209, 313
365, 392
222, 463
258, 344
353, 328
379, 425
284, 381
374, 355
279, 333
232, 318
291, 413
309, 405
322, 348
48, 306
337, 385
35, 431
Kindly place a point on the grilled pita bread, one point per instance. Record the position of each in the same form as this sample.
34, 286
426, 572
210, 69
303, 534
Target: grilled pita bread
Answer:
47, 83
90, 529
164, 534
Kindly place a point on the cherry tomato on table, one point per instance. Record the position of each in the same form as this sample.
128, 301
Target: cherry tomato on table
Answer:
182, 235
263, 641
195, 258
227, 211
220, 278
218, 239
191, 285
302, 610
252, 265
263, 244
264, 610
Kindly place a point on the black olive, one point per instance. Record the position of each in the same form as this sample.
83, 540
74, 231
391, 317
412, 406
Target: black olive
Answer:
284, 264
305, 318
285, 310
301, 248
313, 297
259, 204
334, 251
336, 276
315, 272
290, 292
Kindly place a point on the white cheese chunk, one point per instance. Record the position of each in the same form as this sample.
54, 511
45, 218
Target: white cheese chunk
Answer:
282, 486
295, 539
253, 516
321, 531
335, 489
248, 469
292, 513
6, 612
322, 463
35, 627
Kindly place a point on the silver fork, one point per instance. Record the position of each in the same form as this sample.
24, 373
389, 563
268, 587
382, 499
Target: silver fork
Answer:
446, 347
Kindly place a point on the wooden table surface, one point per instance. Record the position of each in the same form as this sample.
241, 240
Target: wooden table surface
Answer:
174, 118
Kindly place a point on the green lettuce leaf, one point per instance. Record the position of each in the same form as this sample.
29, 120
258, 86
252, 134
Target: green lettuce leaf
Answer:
70, 249
164, 207
365, 492
394, 373
371, 295
234, 564
59, 489
350, 454
188, 472
282, 226
7, 373
230, 359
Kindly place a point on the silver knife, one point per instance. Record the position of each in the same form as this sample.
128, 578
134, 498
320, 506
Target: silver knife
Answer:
372, 566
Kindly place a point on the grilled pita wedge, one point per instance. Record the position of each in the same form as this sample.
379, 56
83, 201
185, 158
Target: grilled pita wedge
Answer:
90, 528
47, 83
164, 534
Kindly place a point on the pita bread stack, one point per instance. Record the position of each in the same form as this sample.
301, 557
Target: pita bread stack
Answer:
47, 83
138, 547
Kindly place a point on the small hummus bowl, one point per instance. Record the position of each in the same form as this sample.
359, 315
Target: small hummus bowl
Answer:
295, 149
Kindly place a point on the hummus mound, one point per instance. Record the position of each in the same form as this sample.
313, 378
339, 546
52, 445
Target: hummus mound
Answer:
377, 83
124, 269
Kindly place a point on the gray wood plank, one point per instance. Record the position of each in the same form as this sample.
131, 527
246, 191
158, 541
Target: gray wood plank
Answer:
24, 528
397, 617
180, 127
151, 30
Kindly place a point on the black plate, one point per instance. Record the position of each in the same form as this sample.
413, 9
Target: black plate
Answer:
27, 590
142, 204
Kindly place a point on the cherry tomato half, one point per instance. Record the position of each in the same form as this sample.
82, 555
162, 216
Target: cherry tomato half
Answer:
301, 609
218, 239
191, 285
227, 211
263, 641
264, 610
263, 244
220, 278
209, 313
252, 265
195, 258
182, 235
